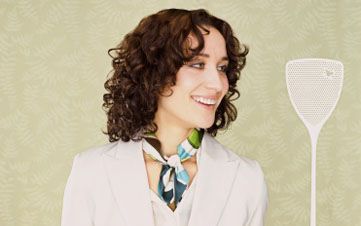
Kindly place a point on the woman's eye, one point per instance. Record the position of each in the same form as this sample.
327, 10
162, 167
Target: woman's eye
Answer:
198, 65
222, 68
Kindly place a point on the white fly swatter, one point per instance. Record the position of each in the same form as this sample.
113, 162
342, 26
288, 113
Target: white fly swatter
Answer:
314, 87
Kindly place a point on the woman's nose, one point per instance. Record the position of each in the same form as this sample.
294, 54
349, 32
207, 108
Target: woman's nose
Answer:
214, 79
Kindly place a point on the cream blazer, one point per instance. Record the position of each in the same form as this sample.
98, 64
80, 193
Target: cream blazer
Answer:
108, 186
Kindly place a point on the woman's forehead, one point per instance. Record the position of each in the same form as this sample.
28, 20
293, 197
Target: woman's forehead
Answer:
214, 43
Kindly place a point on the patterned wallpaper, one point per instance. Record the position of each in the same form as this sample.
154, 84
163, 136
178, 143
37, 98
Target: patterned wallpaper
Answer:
54, 61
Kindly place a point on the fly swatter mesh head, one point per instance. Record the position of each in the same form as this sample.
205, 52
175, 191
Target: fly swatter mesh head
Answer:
314, 86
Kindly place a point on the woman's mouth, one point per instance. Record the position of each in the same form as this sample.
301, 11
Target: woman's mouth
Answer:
206, 103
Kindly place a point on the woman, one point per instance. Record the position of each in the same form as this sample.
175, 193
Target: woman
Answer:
171, 90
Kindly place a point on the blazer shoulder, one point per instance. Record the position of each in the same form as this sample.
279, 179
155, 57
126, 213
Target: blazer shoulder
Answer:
92, 155
250, 165
246, 165
245, 162
217, 150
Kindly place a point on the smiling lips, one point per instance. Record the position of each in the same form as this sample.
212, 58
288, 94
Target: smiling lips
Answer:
206, 102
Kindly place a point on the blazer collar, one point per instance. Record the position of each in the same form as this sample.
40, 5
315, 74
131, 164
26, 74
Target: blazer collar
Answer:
128, 179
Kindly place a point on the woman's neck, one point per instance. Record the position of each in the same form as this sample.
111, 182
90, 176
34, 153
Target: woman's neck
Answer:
170, 138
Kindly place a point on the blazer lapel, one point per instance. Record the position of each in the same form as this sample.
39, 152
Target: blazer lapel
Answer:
128, 180
217, 171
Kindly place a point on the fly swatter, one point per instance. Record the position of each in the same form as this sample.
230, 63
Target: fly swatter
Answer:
314, 87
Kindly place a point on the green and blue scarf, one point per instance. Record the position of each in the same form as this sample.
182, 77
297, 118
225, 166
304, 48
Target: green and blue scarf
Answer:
174, 178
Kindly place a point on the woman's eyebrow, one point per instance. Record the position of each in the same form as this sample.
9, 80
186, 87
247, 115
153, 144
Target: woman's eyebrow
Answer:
225, 58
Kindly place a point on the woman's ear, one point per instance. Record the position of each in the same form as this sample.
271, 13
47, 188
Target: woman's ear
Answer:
167, 91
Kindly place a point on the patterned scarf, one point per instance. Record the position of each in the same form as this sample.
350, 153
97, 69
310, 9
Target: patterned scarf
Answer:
174, 178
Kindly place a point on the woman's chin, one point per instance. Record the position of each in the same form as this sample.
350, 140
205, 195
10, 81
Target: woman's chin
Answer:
205, 124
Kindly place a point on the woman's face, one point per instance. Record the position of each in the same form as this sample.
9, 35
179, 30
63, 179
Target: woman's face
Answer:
200, 86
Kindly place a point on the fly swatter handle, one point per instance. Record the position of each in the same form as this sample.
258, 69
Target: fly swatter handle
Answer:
314, 132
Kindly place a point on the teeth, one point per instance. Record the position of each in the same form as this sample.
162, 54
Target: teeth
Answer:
204, 100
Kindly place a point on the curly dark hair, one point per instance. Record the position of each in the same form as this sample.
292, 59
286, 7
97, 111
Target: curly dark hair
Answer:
146, 62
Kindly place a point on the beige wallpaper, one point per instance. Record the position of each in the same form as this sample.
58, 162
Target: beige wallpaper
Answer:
53, 63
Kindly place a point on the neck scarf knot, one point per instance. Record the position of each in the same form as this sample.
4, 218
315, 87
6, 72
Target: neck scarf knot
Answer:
174, 178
